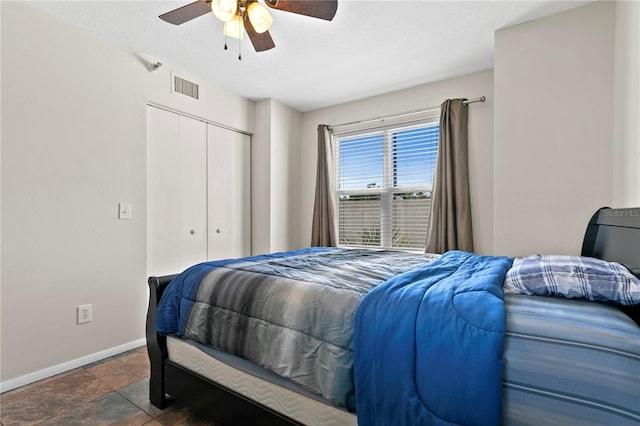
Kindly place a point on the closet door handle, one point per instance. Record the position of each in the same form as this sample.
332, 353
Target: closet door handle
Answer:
218, 231
192, 232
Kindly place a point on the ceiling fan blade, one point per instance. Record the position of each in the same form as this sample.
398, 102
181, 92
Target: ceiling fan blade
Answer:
186, 13
322, 9
260, 41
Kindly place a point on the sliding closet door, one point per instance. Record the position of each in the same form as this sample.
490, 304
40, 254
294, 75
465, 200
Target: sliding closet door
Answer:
229, 177
193, 192
176, 192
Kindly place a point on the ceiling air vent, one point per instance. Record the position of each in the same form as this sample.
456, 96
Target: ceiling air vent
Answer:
187, 88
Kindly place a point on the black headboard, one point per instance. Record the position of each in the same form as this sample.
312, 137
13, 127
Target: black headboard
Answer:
614, 235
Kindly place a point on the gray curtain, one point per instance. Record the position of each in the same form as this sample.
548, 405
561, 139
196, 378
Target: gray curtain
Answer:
323, 229
450, 225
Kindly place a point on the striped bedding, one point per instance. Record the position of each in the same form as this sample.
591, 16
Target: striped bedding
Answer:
570, 362
290, 312
567, 361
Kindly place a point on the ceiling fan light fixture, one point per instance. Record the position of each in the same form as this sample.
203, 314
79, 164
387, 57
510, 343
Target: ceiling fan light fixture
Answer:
224, 10
250, 16
234, 27
259, 17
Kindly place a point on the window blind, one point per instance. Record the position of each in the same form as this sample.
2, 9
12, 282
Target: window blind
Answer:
384, 181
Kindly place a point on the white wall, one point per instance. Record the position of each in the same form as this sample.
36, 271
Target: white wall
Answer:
480, 143
0, 193
553, 119
275, 145
73, 146
285, 152
261, 179
626, 106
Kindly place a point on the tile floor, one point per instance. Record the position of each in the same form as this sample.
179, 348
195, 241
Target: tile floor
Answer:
109, 392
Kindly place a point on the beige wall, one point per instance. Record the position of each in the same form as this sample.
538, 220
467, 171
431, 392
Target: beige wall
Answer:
480, 143
275, 154
261, 179
626, 106
285, 152
73, 146
553, 87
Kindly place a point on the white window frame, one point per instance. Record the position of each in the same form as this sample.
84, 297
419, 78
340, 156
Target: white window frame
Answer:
387, 190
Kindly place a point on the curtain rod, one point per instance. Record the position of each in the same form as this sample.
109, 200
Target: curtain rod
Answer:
402, 114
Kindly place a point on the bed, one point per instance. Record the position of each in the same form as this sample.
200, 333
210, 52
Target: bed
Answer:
472, 339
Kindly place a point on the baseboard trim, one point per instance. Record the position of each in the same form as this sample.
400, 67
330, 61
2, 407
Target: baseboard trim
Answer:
69, 365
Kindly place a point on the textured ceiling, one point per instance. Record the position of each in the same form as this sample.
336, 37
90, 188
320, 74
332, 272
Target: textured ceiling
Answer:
370, 48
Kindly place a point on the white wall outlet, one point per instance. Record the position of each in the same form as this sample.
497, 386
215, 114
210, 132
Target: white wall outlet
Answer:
83, 314
124, 211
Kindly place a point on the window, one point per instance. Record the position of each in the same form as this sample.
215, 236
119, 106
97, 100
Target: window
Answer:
384, 182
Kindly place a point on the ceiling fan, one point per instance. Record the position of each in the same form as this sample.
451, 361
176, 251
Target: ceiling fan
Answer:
250, 16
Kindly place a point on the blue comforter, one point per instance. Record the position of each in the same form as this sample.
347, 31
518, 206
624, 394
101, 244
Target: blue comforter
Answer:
291, 313
428, 345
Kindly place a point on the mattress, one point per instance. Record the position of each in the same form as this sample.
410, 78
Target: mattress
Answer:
566, 362
257, 384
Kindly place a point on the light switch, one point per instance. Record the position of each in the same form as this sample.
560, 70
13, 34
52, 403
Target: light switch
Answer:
124, 211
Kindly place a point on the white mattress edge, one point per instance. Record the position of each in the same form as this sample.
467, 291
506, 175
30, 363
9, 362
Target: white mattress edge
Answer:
285, 401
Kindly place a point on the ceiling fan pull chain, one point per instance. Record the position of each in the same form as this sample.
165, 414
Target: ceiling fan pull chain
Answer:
239, 49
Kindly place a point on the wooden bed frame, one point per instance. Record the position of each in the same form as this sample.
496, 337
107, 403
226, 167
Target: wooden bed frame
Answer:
612, 235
